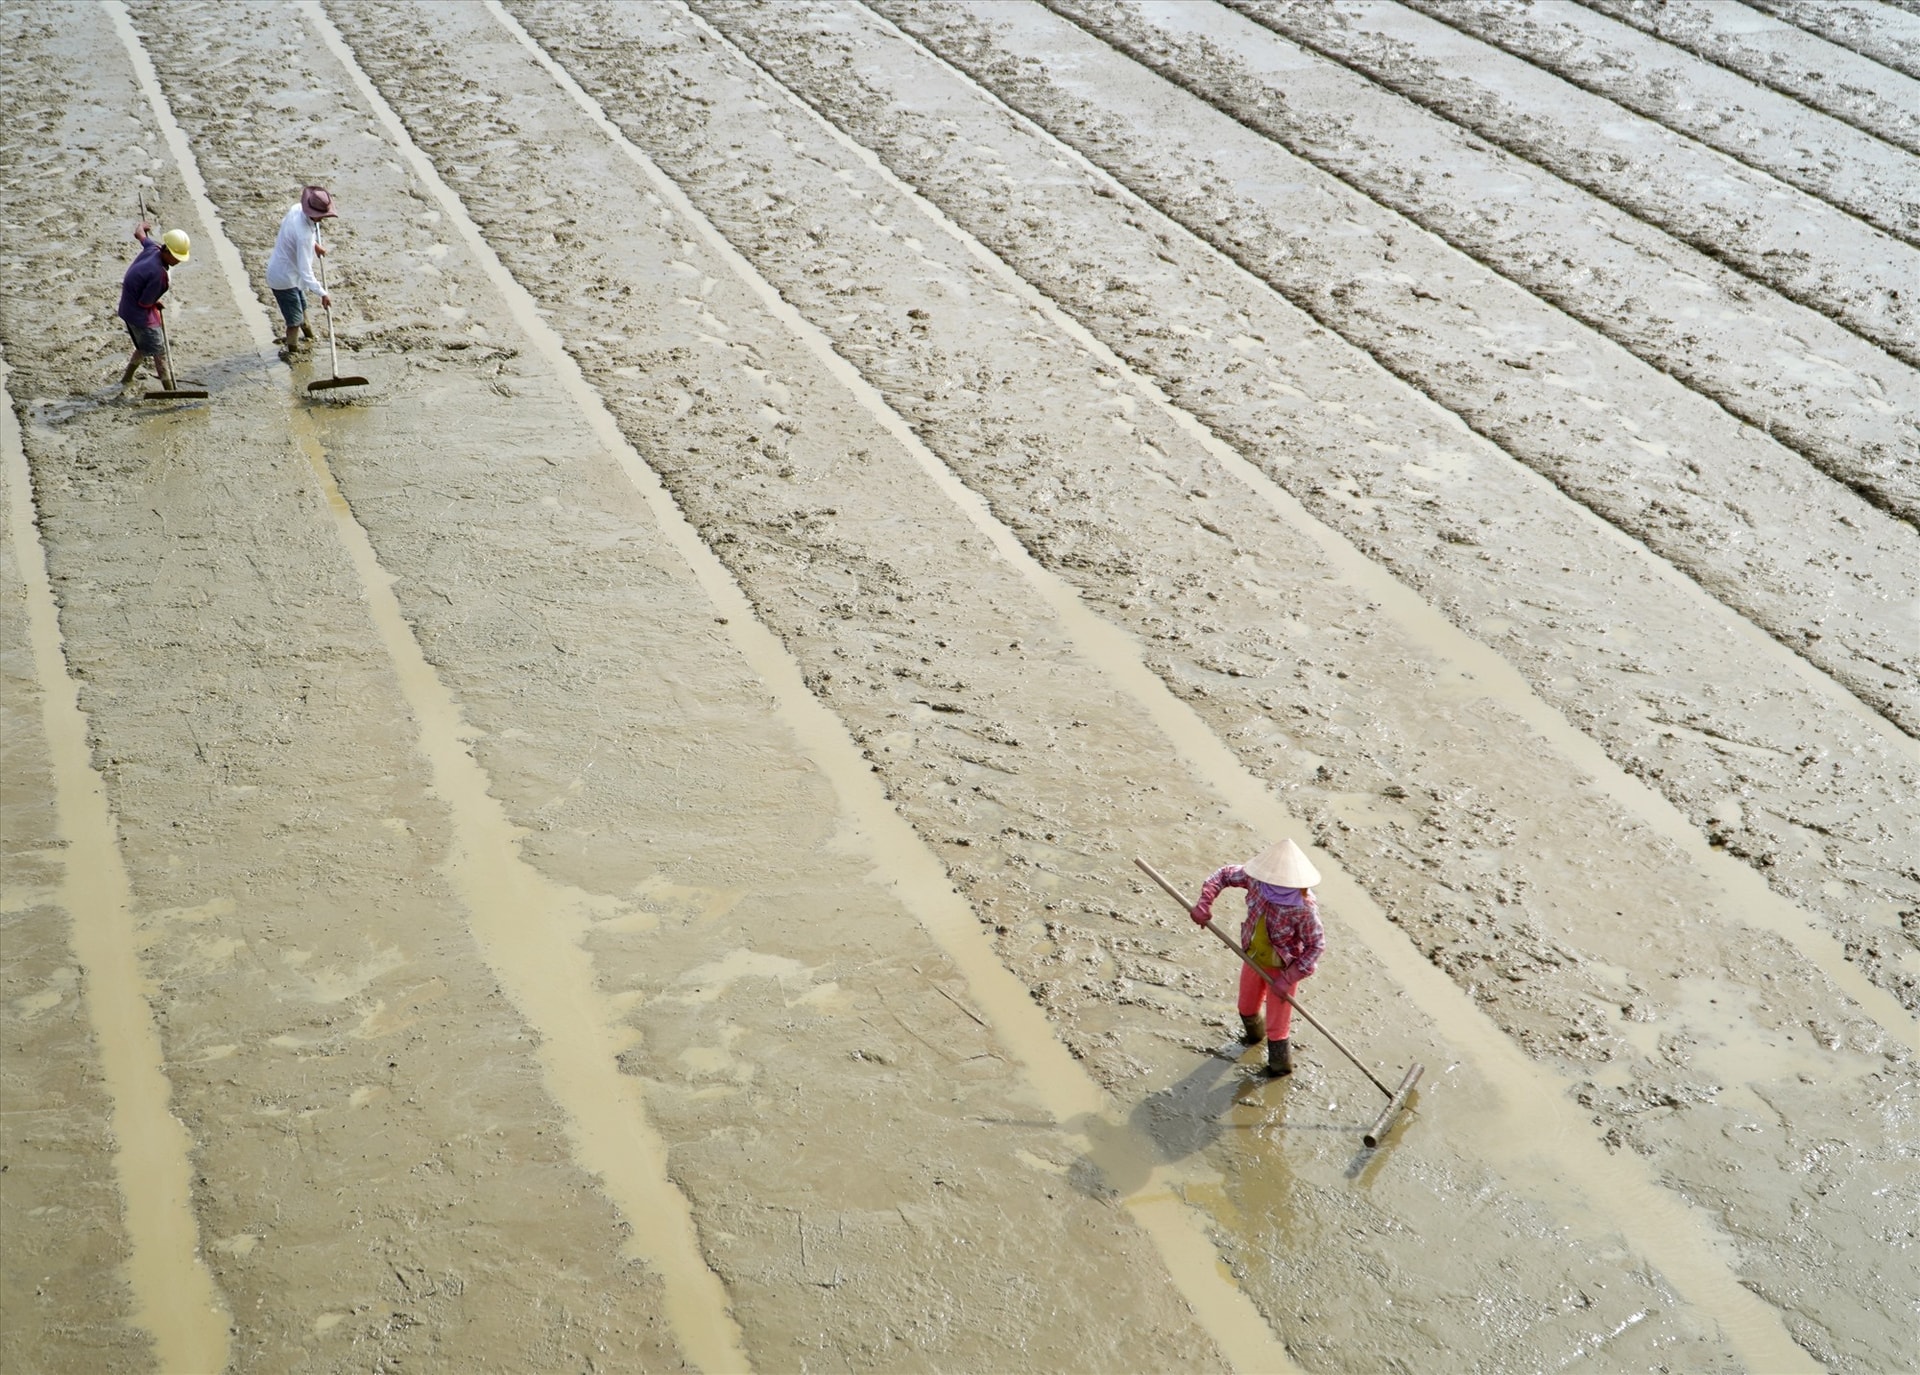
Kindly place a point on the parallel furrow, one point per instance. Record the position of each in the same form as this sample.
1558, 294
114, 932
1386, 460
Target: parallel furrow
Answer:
685, 756
1369, 459
869, 269
738, 494
1691, 98
1871, 97
1871, 28
800, 494
1756, 226
628, 818
1572, 251
1660, 463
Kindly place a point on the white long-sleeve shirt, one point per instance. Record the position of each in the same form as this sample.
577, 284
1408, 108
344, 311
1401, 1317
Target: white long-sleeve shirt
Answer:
292, 263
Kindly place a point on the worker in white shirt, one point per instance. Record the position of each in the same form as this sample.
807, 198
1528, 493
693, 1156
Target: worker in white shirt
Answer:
291, 274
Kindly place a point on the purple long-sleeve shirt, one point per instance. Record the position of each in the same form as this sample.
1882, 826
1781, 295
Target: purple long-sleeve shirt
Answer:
1291, 915
143, 286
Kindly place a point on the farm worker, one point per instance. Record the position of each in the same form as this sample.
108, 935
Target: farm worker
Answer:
290, 270
145, 283
1282, 934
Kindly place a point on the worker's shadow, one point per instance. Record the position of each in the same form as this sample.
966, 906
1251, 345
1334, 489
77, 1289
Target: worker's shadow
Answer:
1226, 1094
1187, 1117
1178, 1121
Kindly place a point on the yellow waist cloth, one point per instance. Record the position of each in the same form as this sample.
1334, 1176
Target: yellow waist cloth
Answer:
1260, 948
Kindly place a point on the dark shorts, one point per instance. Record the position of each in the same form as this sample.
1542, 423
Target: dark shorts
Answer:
293, 305
147, 338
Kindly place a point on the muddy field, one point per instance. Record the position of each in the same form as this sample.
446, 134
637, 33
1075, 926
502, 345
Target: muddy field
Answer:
610, 848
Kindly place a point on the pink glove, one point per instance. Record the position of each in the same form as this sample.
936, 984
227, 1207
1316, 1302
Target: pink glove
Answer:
1201, 916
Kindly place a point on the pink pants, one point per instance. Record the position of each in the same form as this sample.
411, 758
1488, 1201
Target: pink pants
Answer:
1279, 1011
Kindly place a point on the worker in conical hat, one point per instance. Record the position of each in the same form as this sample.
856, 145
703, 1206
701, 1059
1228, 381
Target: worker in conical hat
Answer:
1282, 934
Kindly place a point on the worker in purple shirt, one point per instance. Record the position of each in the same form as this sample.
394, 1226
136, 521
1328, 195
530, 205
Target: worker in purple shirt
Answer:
1282, 934
140, 292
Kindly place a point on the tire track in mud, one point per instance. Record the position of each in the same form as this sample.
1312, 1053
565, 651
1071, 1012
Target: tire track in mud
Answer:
1879, 32
460, 145
1349, 481
527, 927
1873, 98
1696, 101
1502, 215
174, 1298
1672, 470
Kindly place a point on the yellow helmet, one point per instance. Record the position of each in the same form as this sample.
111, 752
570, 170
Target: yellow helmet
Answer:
176, 242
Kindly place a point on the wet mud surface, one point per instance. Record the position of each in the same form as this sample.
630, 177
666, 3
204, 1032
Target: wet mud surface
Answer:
1778, 54
1770, 132
629, 819
62, 1265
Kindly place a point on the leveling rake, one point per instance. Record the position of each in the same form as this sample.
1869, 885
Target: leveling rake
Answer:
333, 352
1396, 1098
179, 391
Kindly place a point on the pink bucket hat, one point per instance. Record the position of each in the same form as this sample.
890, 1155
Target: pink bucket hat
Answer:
317, 203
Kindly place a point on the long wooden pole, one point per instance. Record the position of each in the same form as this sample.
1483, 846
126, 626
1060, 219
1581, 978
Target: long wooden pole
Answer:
333, 353
326, 297
1234, 946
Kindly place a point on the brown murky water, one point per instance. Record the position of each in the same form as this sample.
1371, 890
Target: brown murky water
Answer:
613, 846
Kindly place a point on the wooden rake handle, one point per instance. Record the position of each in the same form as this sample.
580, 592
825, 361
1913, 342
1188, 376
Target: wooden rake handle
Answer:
333, 353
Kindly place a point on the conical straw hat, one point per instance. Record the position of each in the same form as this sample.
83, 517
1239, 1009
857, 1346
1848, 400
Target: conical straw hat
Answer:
1283, 865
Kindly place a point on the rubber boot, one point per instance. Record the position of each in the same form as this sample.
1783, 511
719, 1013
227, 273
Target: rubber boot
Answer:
1253, 1030
306, 330
1279, 1059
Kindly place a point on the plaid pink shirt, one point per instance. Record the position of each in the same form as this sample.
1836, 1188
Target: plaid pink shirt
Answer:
1291, 914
